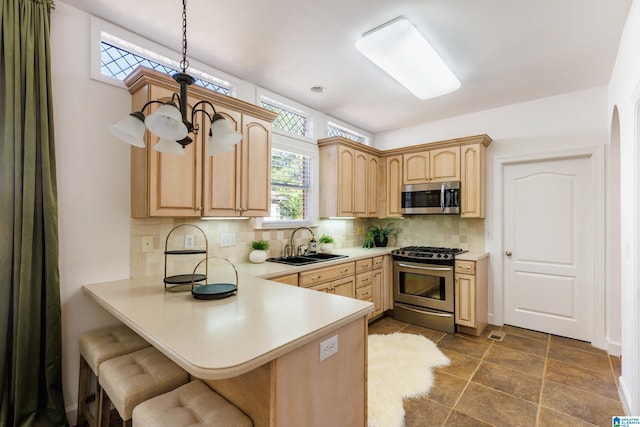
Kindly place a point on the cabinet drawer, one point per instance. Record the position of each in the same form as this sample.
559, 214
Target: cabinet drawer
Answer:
364, 279
365, 293
364, 265
378, 262
321, 275
465, 267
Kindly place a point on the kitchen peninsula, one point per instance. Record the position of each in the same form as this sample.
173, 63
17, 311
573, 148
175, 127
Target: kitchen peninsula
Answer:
260, 348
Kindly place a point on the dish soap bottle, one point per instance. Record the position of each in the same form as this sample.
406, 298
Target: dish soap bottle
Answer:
313, 245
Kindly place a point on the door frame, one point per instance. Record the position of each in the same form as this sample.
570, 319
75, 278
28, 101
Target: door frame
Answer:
597, 161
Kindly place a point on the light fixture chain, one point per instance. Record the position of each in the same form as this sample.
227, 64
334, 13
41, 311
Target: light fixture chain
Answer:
184, 64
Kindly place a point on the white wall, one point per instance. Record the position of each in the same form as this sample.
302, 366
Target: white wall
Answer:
624, 94
93, 186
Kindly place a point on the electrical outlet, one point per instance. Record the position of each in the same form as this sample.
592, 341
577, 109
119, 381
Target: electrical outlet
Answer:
189, 241
147, 244
227, 239
328, 347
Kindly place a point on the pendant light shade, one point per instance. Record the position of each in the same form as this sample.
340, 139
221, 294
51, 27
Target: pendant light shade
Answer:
169, 147
130, 129
167, 122
222, 136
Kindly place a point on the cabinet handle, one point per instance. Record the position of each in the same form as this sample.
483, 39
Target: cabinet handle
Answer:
346, 270
316, 277
199, 208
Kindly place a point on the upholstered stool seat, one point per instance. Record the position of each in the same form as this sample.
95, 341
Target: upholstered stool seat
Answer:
193, 404
131, 379
96, 347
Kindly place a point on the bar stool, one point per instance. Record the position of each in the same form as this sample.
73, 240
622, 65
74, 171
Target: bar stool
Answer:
192, 404
131, 379
96, 347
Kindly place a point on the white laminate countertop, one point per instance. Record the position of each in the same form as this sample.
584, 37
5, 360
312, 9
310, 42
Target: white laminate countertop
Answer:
472, 256
216, 339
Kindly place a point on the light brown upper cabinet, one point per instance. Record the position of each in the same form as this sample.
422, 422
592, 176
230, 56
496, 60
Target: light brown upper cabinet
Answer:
436, 165
393, 169
473, 178
349, 178
195, 184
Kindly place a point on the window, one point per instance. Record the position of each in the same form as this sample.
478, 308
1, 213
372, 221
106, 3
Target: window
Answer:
119, 63
290, 185
294, 183
288, 121
337, 130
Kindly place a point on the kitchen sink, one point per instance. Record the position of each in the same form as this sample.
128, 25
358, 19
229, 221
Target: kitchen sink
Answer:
305, 259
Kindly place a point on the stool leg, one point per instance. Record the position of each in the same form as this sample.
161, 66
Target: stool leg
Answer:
82, 392
106, 409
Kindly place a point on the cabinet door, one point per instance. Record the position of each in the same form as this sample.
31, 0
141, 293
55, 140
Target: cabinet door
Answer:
378, 298
255, 173
394, 186
472, 184
346, 177
360, 187
373, 186
416, 168
175, 182
221, 172
444, 164
465, 300
344, 287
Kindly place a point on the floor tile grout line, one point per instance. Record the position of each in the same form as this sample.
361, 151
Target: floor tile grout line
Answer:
544, 374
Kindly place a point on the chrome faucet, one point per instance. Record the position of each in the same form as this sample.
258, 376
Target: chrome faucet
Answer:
292, 247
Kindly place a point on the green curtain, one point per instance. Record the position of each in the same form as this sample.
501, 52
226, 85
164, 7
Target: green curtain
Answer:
30, 318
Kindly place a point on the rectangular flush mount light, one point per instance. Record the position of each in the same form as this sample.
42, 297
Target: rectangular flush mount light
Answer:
400, 50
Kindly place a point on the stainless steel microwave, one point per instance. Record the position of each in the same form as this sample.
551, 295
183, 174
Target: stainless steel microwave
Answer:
431, 198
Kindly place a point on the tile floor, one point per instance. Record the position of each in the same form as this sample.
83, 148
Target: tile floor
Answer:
527, 379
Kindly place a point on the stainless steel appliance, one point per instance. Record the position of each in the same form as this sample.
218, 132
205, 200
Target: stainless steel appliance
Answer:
431, 198
423, 286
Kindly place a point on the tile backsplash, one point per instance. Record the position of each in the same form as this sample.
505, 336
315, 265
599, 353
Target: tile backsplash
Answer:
431, 230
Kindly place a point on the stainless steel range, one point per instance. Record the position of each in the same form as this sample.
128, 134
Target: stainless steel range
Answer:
423, 286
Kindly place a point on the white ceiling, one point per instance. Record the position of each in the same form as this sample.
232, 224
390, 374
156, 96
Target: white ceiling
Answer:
503, 51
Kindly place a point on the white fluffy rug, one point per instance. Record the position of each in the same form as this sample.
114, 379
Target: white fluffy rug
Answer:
400, 366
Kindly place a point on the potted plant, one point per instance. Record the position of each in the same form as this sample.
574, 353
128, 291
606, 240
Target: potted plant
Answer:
259, 253
326, 243
378, 235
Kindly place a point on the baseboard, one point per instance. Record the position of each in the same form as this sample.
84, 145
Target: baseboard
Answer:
614, 348
623, 393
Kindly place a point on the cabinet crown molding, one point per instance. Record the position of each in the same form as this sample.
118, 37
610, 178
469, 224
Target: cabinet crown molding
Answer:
483, 139
142, 76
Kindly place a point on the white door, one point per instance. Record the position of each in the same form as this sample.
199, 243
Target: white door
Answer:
548, 246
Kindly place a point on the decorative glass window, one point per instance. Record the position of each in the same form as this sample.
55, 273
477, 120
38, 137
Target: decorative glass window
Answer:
335, 130
290, 186
288, 120
119, 63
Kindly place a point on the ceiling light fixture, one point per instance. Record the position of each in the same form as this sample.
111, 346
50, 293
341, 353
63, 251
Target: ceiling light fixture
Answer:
170, 121
402, 52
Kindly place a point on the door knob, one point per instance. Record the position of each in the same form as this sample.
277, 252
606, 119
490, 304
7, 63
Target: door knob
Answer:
508, 253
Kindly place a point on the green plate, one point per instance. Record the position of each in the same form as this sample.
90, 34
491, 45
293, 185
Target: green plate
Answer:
214, 291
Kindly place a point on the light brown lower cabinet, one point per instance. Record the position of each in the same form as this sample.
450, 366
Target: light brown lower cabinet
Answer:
289, 279
298, 389
471, 295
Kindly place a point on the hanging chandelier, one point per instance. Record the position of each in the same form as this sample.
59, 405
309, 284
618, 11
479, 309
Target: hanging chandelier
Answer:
170, 122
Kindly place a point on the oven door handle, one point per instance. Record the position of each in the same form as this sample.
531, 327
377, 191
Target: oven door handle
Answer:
425, 268
429, 312
442, 198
